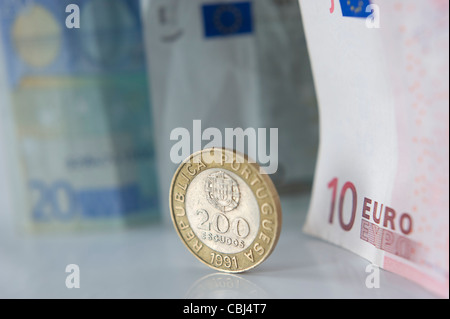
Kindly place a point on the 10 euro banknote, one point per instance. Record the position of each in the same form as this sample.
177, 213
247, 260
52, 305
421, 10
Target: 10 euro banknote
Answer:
382, 178
78, 131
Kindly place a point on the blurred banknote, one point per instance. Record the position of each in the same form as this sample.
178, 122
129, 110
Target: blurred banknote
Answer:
382, 181
233, 64
77, 129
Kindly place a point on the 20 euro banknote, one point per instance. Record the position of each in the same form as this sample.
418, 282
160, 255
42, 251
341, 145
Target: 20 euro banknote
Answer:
382, 178
78, 129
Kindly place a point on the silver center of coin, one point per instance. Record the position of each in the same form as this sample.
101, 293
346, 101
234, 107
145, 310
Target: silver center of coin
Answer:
222, 211
222, 191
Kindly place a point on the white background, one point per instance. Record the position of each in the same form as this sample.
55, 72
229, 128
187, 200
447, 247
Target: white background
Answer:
152, 262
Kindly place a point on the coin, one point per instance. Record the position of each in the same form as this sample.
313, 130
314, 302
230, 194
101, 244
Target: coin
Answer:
226, 212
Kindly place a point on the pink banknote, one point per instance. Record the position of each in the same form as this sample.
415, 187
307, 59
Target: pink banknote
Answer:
381, 186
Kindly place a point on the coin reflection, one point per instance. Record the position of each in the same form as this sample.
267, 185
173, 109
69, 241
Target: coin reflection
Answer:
225, 286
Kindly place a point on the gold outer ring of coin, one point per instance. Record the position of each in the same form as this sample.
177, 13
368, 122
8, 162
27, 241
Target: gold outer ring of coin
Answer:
236, 254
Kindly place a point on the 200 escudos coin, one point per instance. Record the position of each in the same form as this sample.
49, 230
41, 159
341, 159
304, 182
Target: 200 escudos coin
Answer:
226, 212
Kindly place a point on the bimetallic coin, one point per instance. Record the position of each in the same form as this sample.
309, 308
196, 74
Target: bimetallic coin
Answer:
226, 212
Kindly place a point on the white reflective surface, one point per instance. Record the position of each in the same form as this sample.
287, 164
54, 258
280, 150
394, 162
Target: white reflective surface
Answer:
153, 263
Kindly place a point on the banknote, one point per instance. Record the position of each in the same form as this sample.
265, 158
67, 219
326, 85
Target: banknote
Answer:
233, 64
382, 179
78, 130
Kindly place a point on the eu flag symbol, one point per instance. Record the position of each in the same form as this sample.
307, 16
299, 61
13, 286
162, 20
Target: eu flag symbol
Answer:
355, 8
226, 19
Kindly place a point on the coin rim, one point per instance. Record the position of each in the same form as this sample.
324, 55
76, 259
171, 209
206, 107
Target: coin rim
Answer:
271, 189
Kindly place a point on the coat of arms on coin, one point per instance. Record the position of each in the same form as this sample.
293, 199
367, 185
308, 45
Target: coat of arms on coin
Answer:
222, 191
